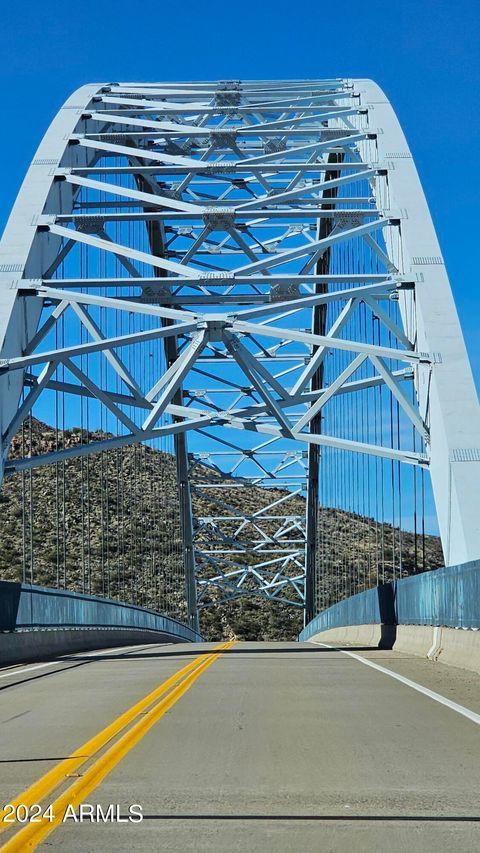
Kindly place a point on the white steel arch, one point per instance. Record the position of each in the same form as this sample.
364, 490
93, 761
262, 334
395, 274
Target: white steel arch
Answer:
450, 397
224, 221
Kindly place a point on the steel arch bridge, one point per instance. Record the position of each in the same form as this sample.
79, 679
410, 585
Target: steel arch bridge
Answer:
249, 268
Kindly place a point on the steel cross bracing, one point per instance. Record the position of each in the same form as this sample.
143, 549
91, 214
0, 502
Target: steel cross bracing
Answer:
238, 227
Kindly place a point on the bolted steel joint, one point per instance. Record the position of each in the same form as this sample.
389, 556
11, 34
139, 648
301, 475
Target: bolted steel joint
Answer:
219, 218
274, 145
90, 224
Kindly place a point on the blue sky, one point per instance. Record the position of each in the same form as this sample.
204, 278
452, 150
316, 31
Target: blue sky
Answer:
423, 53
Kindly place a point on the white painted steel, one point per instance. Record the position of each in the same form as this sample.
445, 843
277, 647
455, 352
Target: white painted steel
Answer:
235, 177
450, 395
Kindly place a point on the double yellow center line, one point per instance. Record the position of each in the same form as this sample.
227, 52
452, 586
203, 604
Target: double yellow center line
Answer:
125, 732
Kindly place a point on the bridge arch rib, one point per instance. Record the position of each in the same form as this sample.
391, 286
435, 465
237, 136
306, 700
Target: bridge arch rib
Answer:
232, 264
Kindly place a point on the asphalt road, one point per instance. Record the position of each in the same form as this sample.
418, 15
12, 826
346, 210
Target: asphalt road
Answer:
268, 747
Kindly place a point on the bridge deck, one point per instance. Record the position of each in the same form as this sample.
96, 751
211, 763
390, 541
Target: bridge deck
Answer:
274, 747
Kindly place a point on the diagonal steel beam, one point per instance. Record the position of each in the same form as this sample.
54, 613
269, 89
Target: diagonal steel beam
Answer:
182, 366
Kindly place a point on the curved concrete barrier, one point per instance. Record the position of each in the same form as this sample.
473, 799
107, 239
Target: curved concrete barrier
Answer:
435, 614
38, 622
454, 646
30, 646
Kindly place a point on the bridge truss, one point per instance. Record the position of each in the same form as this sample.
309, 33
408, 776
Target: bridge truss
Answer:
250, 269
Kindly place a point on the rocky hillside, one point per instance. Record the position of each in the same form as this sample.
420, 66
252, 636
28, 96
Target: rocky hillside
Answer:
106, 524
109, 525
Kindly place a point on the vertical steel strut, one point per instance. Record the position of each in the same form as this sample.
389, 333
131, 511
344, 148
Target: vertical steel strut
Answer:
249, 268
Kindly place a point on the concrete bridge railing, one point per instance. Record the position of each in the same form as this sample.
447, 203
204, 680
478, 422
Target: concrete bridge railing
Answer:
38, 621
435, 614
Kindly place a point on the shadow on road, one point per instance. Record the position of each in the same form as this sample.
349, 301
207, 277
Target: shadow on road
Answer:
421, 818
235, 651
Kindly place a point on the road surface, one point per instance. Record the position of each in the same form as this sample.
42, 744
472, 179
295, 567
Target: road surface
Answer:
269, 747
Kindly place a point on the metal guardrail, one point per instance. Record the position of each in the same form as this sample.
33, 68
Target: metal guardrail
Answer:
448, 597
24, 606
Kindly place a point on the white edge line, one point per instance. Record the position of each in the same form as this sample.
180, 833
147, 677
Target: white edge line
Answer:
437, 697
107, 650
71, 656
28, 669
